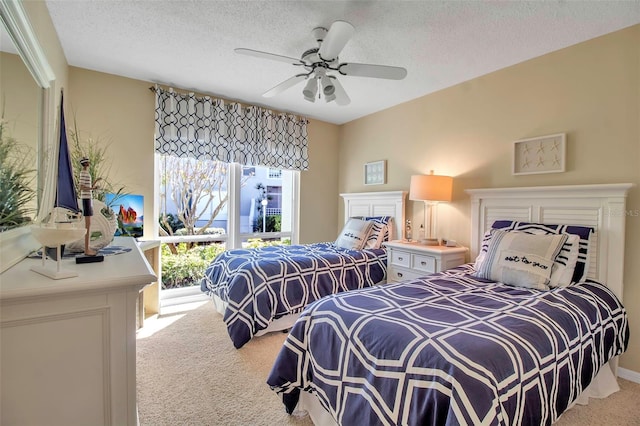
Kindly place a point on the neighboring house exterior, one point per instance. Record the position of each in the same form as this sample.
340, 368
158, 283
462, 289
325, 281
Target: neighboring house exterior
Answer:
250, 200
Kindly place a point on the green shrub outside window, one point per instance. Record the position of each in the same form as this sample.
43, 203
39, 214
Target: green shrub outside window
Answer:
187, 268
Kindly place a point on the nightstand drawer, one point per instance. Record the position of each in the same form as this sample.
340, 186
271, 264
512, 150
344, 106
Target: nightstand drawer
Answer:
408, 261
398, 274
424, 263
401, 258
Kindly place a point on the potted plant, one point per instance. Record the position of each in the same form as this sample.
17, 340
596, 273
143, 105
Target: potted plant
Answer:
17, 187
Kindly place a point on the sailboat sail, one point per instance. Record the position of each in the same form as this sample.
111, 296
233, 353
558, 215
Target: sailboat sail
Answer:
66, 195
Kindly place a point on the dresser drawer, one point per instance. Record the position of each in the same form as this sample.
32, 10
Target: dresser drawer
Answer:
398, 274
424, 263
401, 258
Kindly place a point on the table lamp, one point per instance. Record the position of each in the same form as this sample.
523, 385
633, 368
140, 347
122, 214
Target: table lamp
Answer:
431, 189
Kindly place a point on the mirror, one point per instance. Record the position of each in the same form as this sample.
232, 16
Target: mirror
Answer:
27, 107
20, 123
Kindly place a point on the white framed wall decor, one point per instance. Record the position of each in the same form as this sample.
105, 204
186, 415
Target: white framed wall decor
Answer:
375, 173
542, 154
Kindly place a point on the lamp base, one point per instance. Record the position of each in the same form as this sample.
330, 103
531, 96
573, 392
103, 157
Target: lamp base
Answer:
430, 242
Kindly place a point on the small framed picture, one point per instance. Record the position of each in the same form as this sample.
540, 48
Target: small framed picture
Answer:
544, 154
375, 173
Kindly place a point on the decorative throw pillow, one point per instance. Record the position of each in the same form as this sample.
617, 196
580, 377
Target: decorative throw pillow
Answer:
521, 259
565, 263
581, 267
380, 231
354, 234
563, 266
486, 239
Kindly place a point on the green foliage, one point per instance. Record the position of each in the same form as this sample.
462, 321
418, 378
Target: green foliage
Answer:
259, 242
16, 182
273, 223
188, 266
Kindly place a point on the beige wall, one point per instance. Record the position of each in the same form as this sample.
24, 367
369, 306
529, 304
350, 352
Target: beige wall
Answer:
590, 91
319, 199
120, 112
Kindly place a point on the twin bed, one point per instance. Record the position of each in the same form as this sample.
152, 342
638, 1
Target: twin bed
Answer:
479, 344
264, 290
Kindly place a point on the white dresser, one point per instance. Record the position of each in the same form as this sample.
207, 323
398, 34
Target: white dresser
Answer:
68, 347
407, 260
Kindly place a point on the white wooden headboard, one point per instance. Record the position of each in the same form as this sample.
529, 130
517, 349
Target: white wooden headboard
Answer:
388, 203
599, 206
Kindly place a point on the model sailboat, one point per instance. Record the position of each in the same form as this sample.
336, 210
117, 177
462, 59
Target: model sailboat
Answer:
63, 224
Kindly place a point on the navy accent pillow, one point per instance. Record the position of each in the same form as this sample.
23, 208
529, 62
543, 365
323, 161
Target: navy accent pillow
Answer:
379, 231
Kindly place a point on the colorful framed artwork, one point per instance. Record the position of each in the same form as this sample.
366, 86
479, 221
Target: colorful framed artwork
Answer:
375, 173
129, 210
543, 154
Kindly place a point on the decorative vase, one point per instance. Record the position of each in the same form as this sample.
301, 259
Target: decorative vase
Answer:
104, 223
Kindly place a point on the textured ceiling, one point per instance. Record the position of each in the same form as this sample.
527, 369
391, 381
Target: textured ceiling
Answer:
189, 44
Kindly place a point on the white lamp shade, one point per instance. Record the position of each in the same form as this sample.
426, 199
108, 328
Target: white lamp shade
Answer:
431, 188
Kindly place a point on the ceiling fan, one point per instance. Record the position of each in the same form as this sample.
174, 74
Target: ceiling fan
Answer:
321, 66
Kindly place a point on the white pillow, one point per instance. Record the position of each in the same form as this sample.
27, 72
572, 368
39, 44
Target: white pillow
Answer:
521, 259
354, 234
563, 266
585, 233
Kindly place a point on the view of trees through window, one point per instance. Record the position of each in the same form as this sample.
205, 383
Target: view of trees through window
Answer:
209, 206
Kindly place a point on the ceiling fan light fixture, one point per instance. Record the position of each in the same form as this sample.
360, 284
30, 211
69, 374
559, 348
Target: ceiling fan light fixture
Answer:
310, 89
329, 98
327, 86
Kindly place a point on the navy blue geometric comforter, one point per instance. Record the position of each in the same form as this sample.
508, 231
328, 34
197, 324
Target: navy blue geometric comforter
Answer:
450, 349
260, 285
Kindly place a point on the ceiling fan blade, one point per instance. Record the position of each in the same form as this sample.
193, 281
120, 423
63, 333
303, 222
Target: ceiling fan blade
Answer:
265, 55
341, 96
339, 34
374, 71
284, 85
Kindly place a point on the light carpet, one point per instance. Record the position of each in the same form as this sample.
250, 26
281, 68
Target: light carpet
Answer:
189, 373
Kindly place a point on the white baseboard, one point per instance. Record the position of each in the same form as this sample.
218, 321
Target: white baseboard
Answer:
632, 376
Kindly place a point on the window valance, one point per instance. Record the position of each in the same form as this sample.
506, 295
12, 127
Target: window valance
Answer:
214, 129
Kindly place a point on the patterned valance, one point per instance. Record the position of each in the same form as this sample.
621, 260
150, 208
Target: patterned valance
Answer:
214, 129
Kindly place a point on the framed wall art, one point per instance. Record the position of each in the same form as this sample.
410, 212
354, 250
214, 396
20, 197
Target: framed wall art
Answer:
375, 173
543, 154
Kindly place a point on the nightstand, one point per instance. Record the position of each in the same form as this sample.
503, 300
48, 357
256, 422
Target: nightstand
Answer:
409, 260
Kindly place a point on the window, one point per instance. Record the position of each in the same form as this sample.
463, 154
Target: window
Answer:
219, 205
209, 206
